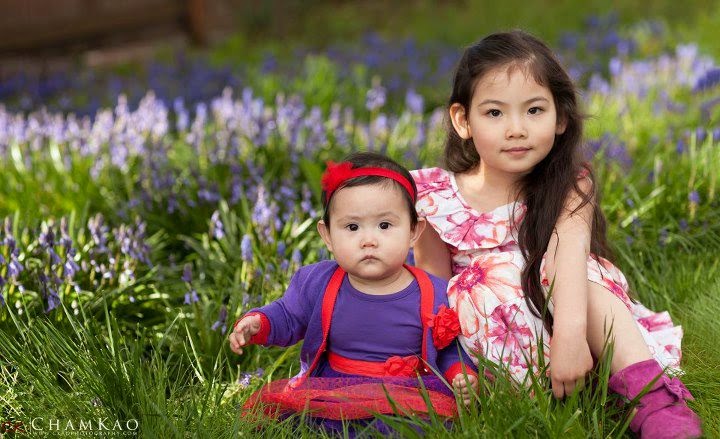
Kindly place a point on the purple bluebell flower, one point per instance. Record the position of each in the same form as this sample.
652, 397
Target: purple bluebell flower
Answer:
191, 297
414, 101
47, 236
683, 225
296, 257
187, 273
70, 267
615, 67
217, 229
281, 246
220, 322
680, 146
9, 242
209, 195
246, 252
376, 97
98, 231
262, 212
307, 203
236, 190
708, 80
379, 127
244, 379
53, 299
172, 203
694, 197
54, 258
14, 267
65, 239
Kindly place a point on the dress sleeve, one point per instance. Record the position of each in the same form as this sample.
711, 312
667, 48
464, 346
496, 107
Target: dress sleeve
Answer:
288, 316
452, 360
431, 183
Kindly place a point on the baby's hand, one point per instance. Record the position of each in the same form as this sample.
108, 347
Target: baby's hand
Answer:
242, 332
463, 384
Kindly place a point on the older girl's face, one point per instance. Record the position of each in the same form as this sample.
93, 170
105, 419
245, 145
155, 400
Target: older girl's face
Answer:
512, 121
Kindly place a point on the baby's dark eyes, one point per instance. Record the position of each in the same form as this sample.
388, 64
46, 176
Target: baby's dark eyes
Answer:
384, 225
494, 113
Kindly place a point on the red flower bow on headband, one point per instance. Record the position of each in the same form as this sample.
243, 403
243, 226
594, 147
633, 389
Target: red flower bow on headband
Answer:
338, 173
335, 175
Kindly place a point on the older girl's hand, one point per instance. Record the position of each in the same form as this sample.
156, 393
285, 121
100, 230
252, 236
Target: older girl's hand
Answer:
570, 361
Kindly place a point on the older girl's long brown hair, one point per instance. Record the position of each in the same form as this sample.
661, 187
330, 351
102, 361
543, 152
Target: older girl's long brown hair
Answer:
546, 189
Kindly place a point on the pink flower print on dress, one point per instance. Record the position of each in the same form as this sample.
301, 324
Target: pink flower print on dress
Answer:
676, 355
509, 330
656, 322
426, 206
468, 314
469, 230
429, 180
618, 291
461, 223
492, 274
489, 280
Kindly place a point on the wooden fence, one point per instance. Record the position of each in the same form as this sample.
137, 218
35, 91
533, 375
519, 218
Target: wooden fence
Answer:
41, 24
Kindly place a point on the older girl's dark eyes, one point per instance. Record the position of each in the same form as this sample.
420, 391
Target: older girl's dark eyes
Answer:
352, 227
385, 225
535, 110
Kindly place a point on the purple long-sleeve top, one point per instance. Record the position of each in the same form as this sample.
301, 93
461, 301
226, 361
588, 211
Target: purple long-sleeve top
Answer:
297, 316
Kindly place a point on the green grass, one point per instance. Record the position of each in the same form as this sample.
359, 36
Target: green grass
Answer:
319, 22
456, 22
80, 369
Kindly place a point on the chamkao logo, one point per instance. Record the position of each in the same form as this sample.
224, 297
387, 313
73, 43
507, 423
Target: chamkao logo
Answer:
99, 427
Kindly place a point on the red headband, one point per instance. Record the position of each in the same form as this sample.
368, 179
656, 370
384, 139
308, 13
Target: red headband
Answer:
338, 173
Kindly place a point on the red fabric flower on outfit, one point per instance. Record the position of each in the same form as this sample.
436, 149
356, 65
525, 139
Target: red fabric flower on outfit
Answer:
445, 326
402, 366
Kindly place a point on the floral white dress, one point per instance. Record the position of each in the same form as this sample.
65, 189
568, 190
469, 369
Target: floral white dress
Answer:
485, 290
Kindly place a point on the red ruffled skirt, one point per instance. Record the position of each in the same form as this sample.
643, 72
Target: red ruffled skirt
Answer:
339, 395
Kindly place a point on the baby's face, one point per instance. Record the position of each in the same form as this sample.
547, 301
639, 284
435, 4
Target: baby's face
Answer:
370, 232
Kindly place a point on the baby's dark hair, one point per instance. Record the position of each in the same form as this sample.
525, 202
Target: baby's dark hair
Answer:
374, 160
548, 186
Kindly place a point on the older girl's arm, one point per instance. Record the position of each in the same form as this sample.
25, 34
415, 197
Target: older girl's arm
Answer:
432, 254
566, 266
